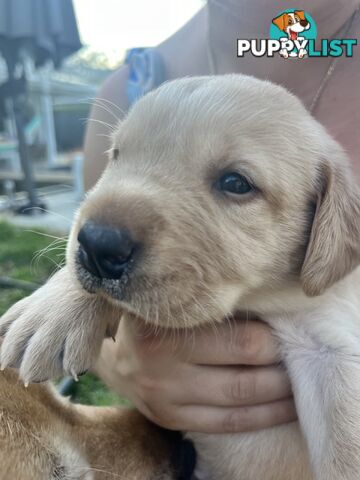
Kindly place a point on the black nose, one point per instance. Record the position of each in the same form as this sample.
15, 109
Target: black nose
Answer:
105, 251
304, 23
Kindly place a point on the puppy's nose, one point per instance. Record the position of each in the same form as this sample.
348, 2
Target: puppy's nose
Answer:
304, 23
105, 251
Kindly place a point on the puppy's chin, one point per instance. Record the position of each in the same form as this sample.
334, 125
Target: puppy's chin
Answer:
162, 302
178, 308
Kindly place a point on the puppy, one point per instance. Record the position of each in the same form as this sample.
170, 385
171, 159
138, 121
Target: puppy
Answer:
292, 24
198, 215
44, 436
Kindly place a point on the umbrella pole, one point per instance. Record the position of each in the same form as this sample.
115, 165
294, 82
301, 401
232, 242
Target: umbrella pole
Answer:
18, 106
16, 95
15, 91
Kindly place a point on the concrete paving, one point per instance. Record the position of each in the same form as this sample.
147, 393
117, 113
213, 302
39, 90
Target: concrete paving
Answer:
60, 209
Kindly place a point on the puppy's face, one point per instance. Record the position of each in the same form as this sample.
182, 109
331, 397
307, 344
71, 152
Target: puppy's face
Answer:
208, 201
292, 23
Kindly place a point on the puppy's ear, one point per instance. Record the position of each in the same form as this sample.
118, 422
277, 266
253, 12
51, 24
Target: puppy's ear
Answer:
280, 21
334, 246
300, 14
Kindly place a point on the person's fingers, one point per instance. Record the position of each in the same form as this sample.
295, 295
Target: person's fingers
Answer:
241, 342
247, 342
230, 386
202, 419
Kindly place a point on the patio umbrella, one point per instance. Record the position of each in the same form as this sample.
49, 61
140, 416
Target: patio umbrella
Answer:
42, 30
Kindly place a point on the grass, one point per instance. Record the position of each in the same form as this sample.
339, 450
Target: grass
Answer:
18, 251
18, 248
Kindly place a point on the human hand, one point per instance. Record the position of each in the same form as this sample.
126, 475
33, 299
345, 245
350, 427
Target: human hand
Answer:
221, 380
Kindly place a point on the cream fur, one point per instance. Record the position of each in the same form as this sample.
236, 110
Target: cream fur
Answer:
288, 252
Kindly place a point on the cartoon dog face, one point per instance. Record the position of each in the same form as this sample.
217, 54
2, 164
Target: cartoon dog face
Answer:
292, 23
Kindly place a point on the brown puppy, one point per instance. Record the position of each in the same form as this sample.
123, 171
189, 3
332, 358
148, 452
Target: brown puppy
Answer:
45, 437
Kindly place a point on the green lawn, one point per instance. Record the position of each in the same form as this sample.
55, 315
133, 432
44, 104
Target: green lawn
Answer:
20, 260
18, 250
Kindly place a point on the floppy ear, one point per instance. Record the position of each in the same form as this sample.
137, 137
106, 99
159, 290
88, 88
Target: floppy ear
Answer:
334, 246
300, 14
280, 21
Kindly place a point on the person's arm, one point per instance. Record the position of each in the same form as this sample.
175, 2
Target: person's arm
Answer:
105, 113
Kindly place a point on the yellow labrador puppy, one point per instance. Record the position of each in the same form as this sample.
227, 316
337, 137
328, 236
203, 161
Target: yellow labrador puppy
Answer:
222, 194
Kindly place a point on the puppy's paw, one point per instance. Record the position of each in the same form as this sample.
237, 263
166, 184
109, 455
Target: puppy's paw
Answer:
57, 330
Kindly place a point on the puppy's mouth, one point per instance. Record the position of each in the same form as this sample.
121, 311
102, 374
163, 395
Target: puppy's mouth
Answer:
164, 301
293, 35
92, 282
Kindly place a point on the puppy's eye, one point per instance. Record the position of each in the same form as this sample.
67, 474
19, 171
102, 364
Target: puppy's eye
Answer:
115, 154
234, 183
290, 21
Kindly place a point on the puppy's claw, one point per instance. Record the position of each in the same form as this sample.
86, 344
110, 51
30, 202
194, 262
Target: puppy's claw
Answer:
3, 362
112, 327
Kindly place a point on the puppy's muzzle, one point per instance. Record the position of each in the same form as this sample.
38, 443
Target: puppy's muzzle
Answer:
104, 251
